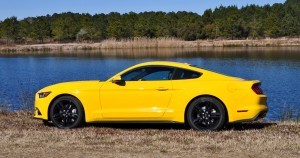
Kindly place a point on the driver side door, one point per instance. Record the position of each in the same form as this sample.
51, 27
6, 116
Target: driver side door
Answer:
143, 93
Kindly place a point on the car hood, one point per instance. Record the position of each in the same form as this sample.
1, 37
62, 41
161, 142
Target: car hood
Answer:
74, 86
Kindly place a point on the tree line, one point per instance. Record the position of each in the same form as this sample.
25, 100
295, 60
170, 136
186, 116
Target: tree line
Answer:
230, 22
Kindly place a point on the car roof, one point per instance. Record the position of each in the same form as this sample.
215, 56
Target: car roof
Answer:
177, 64
184, 66
165, 63
209, 73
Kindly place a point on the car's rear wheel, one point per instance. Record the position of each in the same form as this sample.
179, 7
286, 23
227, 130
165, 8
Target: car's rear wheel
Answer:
66, 112
206, 113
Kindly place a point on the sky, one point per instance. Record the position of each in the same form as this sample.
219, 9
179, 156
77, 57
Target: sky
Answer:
32, 8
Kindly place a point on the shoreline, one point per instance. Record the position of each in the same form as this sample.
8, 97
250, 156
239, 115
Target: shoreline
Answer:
145, 43
19, 132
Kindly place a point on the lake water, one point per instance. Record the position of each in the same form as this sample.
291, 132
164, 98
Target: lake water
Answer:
278, 69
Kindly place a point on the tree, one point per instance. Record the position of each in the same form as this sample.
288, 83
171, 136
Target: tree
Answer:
65, 26
271, 26
10, 29
1, 27
40, 29
25, 29
100, 23
255, 28
290, 25
116, 30
207, 16
210, 31
146, 25
228, 22
86, 25
190, 32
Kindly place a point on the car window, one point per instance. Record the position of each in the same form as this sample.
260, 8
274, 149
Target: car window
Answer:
181, 74
129, 76
148, 74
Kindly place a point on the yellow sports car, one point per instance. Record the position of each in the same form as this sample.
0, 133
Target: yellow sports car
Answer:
154, 92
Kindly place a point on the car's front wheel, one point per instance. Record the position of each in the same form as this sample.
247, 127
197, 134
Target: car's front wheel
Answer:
206, 113
66, 112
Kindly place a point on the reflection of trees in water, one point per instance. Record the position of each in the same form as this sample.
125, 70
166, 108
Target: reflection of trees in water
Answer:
267, 53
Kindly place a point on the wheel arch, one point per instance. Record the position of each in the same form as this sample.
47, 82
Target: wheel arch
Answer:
61, 95
205, 95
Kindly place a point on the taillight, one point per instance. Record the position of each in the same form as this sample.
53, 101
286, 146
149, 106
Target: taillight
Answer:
257, 89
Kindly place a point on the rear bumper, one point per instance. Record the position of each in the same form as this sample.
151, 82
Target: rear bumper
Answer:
249, 108
251, 113
260, 115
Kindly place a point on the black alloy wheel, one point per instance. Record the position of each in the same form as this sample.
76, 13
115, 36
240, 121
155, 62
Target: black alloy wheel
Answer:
206, 113
66, 112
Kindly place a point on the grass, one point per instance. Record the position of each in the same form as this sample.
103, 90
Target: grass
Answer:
4, 106
146, 43
288, 113
23, 136
139, 43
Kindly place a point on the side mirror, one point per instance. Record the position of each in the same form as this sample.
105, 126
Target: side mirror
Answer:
116, 79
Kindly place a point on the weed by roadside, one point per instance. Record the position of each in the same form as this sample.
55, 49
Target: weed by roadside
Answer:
288, 113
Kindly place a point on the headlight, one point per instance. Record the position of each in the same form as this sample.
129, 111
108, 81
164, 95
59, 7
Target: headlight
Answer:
44, 94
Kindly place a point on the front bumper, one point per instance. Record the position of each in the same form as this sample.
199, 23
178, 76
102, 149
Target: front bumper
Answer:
41, 107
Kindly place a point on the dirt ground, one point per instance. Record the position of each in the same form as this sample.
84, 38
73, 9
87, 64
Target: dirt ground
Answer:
23, 136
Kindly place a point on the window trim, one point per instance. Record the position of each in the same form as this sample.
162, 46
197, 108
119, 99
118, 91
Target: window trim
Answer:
176, 68
173, 72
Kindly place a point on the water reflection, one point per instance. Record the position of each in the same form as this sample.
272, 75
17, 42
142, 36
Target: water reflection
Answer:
266, 53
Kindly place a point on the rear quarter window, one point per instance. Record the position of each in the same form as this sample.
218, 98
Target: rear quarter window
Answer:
182, 74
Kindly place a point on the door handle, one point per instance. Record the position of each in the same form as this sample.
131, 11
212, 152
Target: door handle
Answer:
162, 88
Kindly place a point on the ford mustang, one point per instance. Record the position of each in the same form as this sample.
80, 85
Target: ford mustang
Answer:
155, 91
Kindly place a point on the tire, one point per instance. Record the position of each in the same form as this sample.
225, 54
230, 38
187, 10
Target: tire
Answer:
66, 112
47, 123
206, 113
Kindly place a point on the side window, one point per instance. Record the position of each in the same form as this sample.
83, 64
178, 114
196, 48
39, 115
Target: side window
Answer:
181, 74
157, 73
131, 75
148, 74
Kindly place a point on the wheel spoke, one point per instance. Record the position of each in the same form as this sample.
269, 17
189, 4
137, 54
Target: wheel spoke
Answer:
197, 120
215, 115
208, 106
74, 116
57, 116
199, 113
65, 121
198, 108
68, 106
61, 106
208, 123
